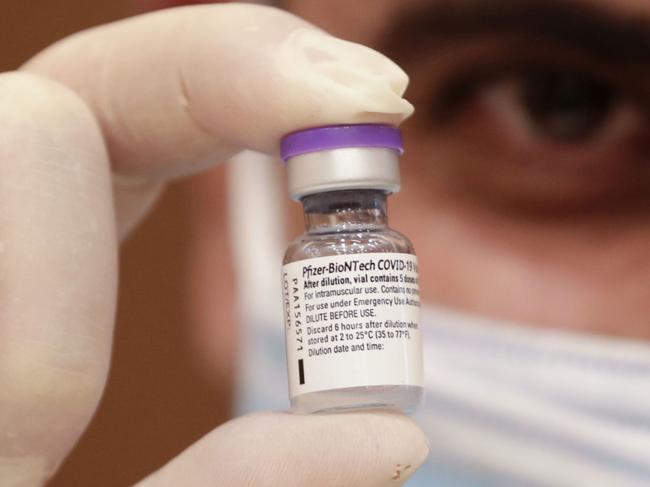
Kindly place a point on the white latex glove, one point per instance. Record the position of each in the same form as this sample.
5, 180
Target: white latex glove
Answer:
160, 96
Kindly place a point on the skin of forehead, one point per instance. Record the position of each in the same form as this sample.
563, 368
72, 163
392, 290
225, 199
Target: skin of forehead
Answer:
368, 20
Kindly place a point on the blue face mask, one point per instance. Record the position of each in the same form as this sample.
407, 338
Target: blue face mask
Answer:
513, 405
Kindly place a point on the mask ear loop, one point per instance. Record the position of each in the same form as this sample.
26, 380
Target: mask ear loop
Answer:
258, 233
258, 237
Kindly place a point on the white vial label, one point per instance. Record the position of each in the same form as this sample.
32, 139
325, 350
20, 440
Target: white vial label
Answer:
351, 321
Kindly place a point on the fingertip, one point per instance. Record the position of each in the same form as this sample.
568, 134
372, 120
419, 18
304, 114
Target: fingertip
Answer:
361, 449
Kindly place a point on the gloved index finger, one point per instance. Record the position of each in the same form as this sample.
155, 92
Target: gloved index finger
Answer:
177, 90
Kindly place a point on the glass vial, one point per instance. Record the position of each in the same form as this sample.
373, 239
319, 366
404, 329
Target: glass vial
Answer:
350, 285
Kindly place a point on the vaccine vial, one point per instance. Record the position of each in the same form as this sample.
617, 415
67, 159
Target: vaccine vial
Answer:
350, 282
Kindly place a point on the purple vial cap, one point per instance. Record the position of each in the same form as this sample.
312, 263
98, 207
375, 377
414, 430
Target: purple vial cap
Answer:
341, 136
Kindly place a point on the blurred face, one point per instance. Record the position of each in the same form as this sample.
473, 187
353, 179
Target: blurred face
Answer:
526, 183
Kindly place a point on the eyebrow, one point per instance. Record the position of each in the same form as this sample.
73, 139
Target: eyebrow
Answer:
598, 31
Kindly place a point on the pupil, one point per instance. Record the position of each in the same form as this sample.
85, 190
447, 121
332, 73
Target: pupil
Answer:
569, 106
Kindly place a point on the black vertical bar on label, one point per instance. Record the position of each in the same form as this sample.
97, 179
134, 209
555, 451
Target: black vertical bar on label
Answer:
301, 371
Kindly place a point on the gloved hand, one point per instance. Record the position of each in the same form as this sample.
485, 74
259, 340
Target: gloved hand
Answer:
83, 158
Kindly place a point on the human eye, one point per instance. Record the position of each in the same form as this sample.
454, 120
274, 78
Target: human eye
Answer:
543, 104
533, 125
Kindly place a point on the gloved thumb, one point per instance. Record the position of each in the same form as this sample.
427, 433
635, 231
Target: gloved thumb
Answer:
361, 449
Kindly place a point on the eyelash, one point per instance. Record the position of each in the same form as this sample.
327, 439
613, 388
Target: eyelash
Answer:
454, 90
